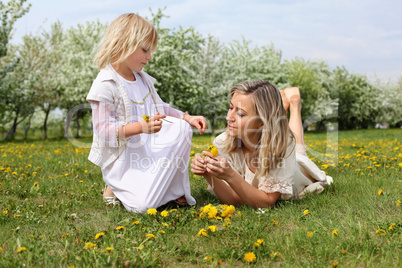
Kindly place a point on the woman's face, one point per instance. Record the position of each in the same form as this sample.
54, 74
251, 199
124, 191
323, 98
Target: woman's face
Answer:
243, 121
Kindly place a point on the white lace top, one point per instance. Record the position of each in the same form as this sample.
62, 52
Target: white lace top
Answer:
291, 178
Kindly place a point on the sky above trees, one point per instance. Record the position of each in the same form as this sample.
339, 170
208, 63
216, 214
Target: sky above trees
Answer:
364, 36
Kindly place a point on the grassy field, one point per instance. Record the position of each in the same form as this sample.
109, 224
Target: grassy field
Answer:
52, 214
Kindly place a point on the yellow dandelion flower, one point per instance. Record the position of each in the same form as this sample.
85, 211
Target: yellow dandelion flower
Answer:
151, 236
260, 241
164, 213
309, 234
335, 233
305, 212
99, 235
391, 227
212, 212
227, 224
141, 247
249, 257
152, 211
212, 228
343, 251
21, 249
257, 245
335, 264
89, 245
399, 202
380, 231
109, 249
379, 192
120, 228
65, 236
400, 165
208, 258
1, 249
161, 231
213, 150
202, 232
165, 224
274, 222
35, 183
145, 117
135, 222
275, 254
173, 210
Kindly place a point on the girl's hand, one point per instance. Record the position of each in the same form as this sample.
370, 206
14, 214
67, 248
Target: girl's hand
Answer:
198, 165
198, 122
218, 166
153, 124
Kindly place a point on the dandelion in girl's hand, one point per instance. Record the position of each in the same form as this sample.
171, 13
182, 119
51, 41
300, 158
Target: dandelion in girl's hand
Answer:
146, 117
213, 150
249, 257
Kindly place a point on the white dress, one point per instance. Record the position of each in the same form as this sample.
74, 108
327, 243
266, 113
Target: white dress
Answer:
296, 175
153, 169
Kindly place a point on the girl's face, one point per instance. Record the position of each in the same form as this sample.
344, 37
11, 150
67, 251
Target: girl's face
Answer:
136, 61
243, 121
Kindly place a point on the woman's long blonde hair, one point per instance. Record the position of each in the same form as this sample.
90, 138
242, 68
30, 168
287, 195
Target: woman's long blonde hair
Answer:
275, 133
122, 38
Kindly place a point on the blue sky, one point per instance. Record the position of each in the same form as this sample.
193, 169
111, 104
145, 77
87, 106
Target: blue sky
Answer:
365, 36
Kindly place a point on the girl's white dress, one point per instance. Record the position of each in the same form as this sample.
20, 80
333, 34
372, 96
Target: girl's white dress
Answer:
153, 169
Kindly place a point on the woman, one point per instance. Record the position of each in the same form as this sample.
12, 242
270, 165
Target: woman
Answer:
262, 157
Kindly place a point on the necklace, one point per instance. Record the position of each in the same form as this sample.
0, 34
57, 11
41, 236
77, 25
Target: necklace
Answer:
143, 100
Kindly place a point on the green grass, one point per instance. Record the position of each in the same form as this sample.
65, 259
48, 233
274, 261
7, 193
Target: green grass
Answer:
51, 206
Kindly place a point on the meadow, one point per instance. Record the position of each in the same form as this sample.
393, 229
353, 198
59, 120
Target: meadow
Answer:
52, 213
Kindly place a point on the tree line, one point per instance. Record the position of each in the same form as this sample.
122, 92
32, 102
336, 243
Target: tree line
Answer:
55, 69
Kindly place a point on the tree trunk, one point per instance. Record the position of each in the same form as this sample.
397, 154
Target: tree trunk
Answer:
47, 111
11, 133
28, 127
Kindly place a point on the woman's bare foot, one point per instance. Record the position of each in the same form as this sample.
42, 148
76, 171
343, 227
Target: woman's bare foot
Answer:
285, 101
292, 95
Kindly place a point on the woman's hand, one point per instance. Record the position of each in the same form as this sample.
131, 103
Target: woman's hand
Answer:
153, 124
218, 166
198, 166
197, 121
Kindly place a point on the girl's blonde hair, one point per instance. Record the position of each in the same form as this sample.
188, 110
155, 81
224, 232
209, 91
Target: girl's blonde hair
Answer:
122, 38
275, 132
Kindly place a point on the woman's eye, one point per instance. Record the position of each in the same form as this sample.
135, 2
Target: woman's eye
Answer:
240, 114
145, 50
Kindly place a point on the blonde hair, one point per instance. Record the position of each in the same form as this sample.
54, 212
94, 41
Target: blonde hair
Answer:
122, 38
275, 133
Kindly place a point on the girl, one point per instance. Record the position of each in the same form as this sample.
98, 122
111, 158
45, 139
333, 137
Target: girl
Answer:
262, 157
140, 143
